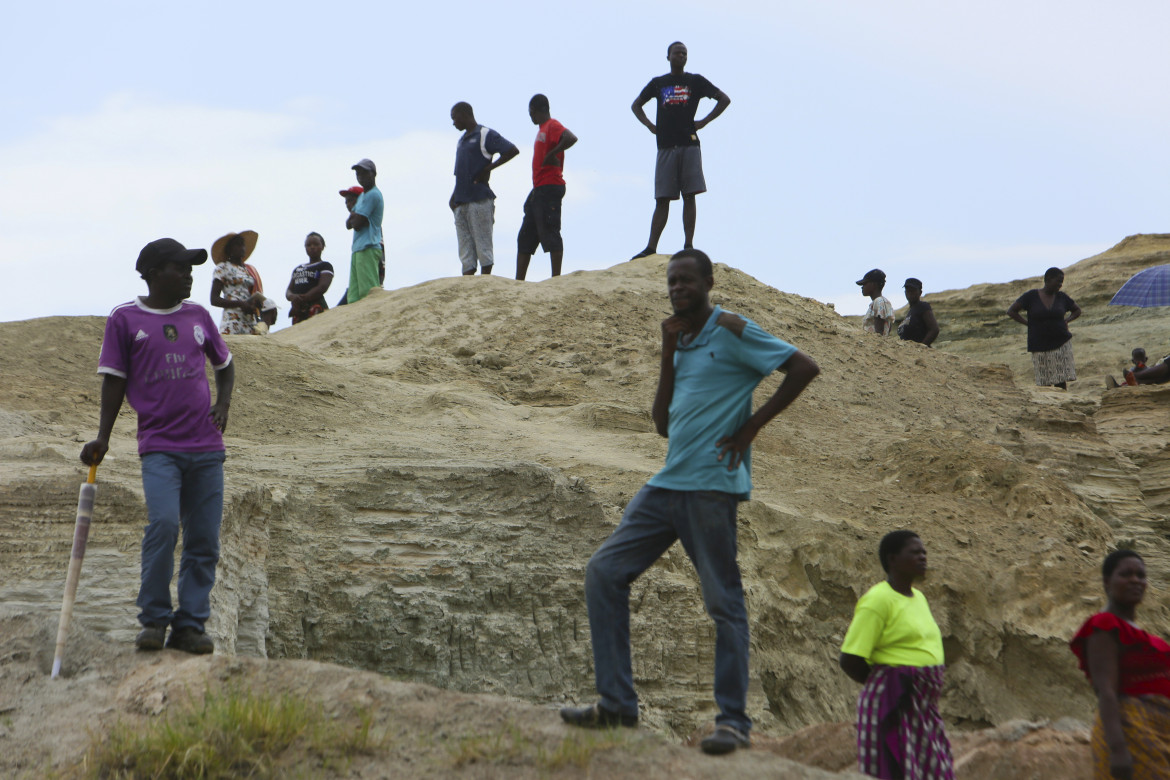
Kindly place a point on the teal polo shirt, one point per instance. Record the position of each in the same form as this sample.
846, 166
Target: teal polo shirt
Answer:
714, 376
370, 205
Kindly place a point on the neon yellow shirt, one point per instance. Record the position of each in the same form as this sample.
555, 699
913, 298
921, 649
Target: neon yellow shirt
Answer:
894, 630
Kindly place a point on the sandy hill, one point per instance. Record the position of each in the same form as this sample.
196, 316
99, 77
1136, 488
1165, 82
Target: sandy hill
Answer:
416, 482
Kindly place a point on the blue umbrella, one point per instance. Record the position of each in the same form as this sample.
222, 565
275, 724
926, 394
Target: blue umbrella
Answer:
1147, 288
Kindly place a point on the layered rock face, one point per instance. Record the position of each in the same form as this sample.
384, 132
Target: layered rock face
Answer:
416, 482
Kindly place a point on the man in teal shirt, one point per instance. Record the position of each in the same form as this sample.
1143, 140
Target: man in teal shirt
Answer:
366, 223
712, 360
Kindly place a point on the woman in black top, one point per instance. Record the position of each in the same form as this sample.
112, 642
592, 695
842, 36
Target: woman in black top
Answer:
306, 290
1049, 313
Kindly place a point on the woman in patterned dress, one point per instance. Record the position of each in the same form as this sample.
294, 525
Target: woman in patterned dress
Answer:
233, 289
1130, 671
894, 649
1049, 313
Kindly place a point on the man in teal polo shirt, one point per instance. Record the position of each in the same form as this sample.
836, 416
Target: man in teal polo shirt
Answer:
712, 360
366, 223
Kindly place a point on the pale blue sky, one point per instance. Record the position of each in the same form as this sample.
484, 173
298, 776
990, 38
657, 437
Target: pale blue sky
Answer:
958, 142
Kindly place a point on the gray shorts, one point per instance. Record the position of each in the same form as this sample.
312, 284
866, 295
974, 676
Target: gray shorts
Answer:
679, 170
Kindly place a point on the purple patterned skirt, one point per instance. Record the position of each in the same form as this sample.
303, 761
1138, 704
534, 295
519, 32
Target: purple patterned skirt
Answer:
900, 734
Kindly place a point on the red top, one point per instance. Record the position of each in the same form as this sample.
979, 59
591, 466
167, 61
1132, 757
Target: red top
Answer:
548, 136
1145, 658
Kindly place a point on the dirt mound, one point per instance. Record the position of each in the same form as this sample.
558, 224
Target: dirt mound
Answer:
415, 731
416, 482
1017, 750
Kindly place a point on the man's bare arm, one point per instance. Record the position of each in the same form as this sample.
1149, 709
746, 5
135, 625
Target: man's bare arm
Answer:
113, 393
640, 113
671, 328
567, 140
721, 104
801, 369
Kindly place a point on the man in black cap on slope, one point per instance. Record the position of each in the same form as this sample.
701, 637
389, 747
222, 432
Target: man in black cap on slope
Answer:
153, 356
919, 324
879, 317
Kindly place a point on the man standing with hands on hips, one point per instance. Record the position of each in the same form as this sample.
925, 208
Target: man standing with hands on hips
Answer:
542, 209
472, 201
712, 360
679, 168
153, 356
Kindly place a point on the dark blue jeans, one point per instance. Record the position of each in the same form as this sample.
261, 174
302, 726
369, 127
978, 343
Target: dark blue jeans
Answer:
705, 523
184, 490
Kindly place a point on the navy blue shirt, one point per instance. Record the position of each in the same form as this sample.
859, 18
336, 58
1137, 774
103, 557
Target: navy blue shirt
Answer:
473, 153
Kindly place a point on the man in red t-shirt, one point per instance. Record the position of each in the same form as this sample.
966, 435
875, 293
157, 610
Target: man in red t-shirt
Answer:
542, 209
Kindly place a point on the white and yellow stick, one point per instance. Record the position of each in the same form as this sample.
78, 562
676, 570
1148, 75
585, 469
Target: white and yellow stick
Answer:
80, 537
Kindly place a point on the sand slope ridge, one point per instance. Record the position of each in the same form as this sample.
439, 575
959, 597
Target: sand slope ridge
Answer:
416, 482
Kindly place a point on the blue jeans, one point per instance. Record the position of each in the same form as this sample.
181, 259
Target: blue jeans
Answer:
183, 490
705, 523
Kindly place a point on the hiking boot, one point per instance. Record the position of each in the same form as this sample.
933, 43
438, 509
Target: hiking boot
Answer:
190, 640
725, 739
597, 717
151, 637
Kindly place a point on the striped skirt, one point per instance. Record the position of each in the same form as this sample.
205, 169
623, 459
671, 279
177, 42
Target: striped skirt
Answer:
900, 734
1146, 723
1054, 366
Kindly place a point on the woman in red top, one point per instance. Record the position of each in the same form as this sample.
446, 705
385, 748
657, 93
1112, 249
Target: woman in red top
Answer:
1130, 670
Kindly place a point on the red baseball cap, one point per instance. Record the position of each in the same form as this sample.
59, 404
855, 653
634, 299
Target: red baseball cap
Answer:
354, 190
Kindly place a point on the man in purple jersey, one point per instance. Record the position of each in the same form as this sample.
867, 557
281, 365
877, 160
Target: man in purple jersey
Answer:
152, 355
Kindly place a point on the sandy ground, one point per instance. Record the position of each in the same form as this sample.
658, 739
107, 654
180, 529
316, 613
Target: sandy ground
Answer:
415, 483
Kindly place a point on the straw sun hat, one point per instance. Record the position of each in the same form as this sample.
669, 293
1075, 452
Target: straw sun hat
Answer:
218, 253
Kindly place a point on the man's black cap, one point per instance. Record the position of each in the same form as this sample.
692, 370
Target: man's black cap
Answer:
876, 275
165, 250
912, 282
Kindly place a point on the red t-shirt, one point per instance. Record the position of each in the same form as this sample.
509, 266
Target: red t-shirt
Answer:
1145, 658
547, 137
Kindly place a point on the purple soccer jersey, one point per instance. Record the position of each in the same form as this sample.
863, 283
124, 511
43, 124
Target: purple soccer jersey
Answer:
160, 354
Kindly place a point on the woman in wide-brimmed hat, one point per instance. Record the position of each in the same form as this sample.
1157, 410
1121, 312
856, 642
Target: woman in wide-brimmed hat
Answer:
233, 288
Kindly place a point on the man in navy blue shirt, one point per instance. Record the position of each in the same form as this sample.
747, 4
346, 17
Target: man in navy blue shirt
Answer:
679, 169
712, 360
472, 201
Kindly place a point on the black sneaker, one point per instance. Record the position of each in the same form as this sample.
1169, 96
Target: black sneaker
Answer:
151, 637
597, 717
725, 739
190, 640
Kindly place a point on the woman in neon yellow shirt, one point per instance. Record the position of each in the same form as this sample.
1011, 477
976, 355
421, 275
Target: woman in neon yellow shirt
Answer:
894, 648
